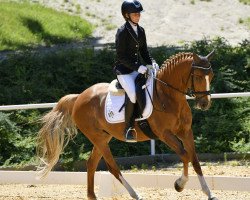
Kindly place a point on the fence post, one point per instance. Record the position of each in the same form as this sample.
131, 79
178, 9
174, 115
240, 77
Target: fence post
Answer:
152, 144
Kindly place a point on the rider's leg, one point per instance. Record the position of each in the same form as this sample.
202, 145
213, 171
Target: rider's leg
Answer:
129, 132
127, 82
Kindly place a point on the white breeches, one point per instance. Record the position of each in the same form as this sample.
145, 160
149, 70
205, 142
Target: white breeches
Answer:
128, 83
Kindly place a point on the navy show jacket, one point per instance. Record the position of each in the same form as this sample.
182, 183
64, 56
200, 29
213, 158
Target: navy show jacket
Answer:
130, 49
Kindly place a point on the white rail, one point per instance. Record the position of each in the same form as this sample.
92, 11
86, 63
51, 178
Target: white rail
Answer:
227, 95
28, 106
51, 105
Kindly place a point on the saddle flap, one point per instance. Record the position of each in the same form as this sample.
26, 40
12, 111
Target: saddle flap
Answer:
115, 100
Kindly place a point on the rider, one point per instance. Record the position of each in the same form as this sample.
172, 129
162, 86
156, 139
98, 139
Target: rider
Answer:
132, 51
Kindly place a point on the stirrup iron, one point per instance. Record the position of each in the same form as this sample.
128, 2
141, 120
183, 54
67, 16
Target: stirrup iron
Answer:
129, 136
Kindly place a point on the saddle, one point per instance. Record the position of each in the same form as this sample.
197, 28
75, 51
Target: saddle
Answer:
140, 81
116, 97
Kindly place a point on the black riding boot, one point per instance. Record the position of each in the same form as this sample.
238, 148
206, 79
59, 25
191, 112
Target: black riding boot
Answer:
130, 132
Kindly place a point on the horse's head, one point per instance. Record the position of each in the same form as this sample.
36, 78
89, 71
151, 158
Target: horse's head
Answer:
201, 76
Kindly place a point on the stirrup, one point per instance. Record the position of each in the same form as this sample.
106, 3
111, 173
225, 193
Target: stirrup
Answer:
129, 136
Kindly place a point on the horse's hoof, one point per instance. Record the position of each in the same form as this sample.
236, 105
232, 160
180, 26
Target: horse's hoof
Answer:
213, 198
177, 187
90, 197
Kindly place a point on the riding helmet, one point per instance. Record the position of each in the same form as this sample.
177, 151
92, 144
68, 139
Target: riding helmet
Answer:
131, 6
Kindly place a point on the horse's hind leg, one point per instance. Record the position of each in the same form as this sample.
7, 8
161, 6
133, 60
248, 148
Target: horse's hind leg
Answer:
100, 140
92, 164
175, 144
114, 169
189, 146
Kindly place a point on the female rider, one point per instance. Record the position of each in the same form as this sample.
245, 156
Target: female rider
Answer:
131, 52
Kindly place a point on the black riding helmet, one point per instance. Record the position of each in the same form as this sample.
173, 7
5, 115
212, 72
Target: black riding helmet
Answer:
131, 6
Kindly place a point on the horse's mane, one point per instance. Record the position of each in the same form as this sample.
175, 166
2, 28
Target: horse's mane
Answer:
170, 63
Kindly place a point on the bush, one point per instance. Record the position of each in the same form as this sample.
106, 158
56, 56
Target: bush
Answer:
31, 77
18, 134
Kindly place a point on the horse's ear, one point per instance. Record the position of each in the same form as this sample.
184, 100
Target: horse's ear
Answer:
196, 58
210, 56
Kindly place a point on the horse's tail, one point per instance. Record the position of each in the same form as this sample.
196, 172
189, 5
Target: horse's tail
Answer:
58, 128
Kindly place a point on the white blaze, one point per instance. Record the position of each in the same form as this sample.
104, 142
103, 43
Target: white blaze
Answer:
208, 86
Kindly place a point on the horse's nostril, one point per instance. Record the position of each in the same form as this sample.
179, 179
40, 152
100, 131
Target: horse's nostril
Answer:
205, 105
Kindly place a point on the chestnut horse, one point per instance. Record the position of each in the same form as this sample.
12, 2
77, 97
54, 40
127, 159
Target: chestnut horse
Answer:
171, 120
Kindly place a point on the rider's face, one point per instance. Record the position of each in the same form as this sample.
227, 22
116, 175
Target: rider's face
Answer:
135, 17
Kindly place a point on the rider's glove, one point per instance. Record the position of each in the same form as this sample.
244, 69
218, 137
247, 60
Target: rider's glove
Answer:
142, 69
155, 66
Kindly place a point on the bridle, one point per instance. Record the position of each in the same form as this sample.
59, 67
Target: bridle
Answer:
191, 91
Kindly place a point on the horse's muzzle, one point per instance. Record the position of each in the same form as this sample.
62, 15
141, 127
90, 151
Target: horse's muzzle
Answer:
203, 104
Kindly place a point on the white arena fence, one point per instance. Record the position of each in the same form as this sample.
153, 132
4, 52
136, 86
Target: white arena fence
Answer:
51, 105
110, 187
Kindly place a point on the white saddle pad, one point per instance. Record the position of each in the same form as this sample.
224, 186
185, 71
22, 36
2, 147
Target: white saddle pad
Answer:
114, 103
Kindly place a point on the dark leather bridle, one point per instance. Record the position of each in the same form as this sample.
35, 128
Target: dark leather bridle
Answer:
191, 91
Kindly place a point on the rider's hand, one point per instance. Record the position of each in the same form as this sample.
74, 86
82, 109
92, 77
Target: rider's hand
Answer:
155, 66
142, 69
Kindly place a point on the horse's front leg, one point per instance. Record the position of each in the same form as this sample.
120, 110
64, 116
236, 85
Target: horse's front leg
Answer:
175, 144
188, 142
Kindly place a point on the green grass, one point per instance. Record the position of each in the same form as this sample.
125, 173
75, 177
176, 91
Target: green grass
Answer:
247, 22
25, 25
246, 2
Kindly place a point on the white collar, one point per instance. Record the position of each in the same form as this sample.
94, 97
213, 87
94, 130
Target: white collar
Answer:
134, 27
